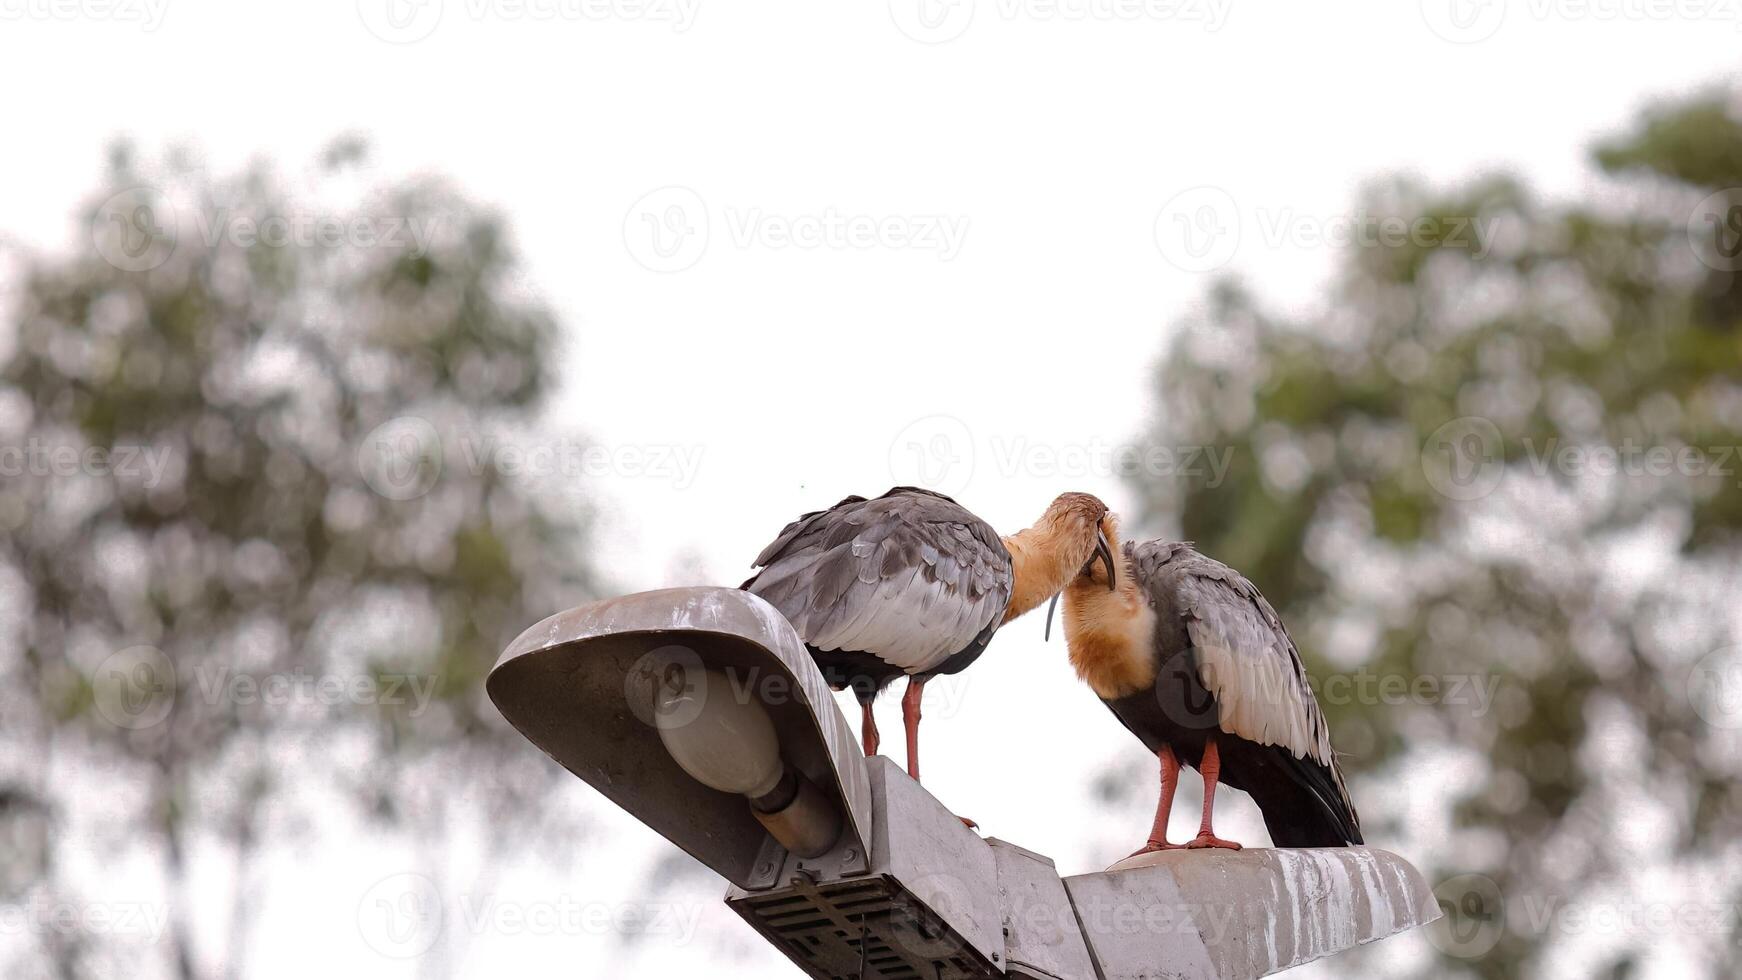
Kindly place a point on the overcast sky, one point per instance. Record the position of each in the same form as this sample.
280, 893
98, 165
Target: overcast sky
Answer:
806, 250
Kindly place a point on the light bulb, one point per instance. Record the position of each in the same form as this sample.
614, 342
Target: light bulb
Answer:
723, 741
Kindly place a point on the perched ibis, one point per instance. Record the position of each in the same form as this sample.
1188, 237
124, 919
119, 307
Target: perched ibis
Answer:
1195, 662
913, 584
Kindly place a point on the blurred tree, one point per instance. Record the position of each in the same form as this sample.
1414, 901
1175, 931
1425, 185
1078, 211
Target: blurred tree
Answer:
1408, 488
255, 549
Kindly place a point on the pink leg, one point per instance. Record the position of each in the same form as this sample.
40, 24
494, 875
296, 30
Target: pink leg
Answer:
910, 717
868, 730
1211, 769
1169, 781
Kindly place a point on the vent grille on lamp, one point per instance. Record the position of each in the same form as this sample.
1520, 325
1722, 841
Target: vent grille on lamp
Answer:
863, 929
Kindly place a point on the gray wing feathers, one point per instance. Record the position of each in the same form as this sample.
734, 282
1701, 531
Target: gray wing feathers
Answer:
911, 577
1245, 657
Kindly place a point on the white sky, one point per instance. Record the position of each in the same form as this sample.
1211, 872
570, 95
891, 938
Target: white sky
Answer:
1050, 145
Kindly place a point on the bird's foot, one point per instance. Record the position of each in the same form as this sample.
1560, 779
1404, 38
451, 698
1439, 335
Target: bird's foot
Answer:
1207, 839
971, 825
1151, 847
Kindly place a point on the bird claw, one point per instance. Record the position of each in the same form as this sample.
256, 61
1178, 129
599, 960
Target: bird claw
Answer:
1211, 840
1155, 845
971, 825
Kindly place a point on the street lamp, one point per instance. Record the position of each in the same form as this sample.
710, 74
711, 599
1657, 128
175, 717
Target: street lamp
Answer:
700, 712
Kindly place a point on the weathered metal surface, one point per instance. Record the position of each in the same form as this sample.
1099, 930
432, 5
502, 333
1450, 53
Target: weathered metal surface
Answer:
1042, 940
928, 909
1227, 914
941, 903
943, 862
580, 686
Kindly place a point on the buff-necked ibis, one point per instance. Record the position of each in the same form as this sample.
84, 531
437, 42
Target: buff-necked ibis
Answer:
913, 584
1195, 663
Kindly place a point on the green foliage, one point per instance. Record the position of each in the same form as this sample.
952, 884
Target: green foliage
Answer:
261, 376
1564, 325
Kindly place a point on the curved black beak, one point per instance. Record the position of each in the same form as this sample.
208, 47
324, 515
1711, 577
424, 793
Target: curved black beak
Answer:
1104, 551
1104, 554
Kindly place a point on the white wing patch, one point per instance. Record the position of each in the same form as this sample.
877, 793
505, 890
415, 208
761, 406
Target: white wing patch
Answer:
1246, 660
911, 624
